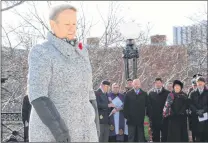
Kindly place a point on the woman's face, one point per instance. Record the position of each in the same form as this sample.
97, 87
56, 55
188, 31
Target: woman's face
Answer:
177, 88
65, 24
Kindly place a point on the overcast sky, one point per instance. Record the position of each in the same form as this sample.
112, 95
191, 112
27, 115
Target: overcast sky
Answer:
162, 15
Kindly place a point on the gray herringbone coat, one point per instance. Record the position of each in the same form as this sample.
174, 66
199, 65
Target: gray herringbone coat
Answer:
63, 73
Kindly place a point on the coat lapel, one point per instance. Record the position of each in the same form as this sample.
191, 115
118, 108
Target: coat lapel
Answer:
67, 49
103, 95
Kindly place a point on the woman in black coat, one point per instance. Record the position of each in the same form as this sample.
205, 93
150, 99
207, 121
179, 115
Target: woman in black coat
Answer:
26, 108
175, 109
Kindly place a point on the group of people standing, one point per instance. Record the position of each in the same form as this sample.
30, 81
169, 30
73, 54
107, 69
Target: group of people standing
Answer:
168, 108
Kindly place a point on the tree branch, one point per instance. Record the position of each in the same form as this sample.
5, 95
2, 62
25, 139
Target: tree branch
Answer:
14, 5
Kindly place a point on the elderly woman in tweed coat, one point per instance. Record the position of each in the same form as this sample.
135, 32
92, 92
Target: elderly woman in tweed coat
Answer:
64, 106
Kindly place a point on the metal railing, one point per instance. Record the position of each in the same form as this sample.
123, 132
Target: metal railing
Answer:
9, 123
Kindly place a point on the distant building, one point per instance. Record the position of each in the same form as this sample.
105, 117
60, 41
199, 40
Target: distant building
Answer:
194, 34
159, 40
93, 42
194, 37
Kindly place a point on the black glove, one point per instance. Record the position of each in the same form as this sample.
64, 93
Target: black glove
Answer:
181, 113
200, 113
50, 116
97, 120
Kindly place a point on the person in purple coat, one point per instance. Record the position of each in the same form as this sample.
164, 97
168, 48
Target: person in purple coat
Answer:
117, 122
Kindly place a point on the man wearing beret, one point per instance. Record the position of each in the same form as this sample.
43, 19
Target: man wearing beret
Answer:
199, 106
104, 109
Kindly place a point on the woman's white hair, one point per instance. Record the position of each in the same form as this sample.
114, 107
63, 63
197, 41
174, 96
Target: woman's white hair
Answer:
115, 83
57, 9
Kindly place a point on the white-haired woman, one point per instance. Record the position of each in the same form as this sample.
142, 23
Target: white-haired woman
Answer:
60, 85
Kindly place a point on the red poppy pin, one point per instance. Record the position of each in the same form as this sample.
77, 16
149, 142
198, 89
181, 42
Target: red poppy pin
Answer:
80, 46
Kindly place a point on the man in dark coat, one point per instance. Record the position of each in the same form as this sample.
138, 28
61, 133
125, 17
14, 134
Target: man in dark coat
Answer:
199, 106
128, 87
194, 87
135, 105
104, 110
157, 97
26, 109
117, 123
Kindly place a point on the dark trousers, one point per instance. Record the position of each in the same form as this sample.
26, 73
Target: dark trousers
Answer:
193, 135
113, 139
158, 128
164, 130
202, 136
193, 130
136, 131
104, 133
125, 138
26, 137
156, 133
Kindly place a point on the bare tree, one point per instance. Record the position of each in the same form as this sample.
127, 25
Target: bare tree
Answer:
14, 59
84, 25
107, 59
196, 35
168, 62
107, 63
10, 4
111, 23
15, 69
33, 20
